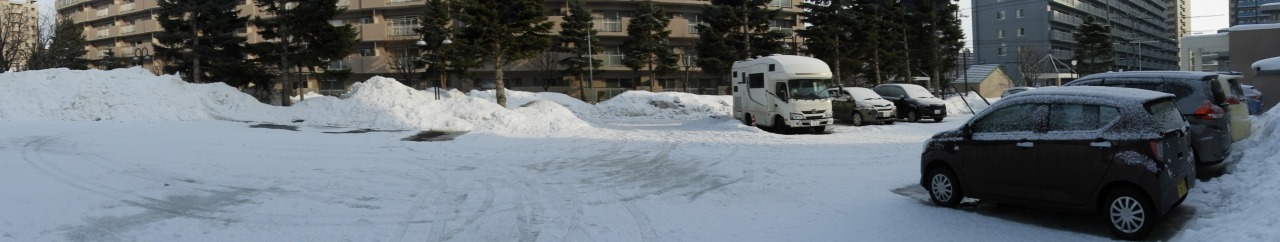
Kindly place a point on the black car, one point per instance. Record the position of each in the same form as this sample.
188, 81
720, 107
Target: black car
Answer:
913, 102
1120, 151
1202, 103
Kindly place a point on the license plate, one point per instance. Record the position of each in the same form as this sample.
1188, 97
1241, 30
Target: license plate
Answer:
884, 114
937, 111
1182, 187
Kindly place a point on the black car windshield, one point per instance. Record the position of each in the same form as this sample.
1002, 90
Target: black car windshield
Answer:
914, 91
807, 89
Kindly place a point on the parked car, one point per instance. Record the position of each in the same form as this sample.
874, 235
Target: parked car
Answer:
1254, 98
861, 105
1120, 151
1200, 98
913, 101
1241, 125
1014, 90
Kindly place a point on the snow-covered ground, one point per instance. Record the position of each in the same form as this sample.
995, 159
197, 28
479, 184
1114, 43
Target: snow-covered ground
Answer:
128, 156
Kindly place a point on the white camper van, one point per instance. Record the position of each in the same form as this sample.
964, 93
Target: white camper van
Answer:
782, 92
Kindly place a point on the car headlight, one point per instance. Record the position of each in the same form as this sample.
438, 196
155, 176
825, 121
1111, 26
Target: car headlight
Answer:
797, 116
826, 115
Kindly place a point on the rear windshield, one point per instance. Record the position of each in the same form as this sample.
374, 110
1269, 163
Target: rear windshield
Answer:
1165, 115
915, 91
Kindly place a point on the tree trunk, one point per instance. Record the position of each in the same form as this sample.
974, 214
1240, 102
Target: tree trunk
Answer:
497, 73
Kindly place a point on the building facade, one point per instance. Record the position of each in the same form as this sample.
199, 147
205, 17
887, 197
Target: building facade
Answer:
1249, 12
1179, 18
1140, 29
125, 28
18, 32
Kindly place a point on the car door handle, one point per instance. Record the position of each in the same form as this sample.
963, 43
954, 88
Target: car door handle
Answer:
1025, 144
1100, 144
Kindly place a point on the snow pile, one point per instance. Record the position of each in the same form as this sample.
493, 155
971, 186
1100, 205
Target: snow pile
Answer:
957, 106
665, 105
1240, 206
135, 94
123, 94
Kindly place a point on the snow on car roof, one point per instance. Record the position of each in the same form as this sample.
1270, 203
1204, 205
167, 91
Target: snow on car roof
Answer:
1195, 75
1110, 93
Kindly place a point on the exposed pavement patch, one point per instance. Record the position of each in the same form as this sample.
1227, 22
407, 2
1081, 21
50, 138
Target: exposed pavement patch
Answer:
275, 126
432, 136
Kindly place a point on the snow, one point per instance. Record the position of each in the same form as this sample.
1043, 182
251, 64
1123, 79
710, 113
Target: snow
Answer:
124, 155
1267, 65
1250, 27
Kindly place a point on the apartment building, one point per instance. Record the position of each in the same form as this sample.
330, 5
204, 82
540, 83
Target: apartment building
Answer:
1140, 29
1251, 11
18, 28
1179, 17
125, 28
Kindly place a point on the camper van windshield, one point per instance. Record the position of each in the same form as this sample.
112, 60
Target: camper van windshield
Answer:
808, 89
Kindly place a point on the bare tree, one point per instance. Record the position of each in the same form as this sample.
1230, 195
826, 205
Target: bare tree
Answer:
404, 62
688, 60
548, 66
1029, 64
18, 33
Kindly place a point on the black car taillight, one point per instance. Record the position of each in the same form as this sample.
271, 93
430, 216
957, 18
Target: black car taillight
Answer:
1157, 151
1209, 111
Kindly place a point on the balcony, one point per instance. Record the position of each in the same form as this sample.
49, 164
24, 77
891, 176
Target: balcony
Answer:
126, 29
127, 7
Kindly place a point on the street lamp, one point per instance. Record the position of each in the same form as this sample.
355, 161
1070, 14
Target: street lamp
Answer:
423, 43
141, 55
966, 73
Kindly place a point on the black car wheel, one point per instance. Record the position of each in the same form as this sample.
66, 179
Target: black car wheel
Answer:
857, 118
944, 189
1130, 214
913, 116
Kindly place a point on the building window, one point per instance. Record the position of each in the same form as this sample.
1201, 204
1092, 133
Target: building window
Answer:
613, 56
1000, 33
783, 25
366, 52
1022, 31
1000, 51
780, 3
403, 25
612, 21
694, 22
1018, 13
1000, 15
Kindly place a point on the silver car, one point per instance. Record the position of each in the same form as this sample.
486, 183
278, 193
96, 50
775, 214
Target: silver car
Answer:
860, 106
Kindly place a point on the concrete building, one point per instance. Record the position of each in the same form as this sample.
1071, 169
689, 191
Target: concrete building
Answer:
124, 27
18, 31
1249, 12
1141, 29
1206, 52
1179, 18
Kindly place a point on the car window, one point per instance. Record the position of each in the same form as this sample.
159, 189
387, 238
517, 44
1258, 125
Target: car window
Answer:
1165, 115
1077, 117
1017, 118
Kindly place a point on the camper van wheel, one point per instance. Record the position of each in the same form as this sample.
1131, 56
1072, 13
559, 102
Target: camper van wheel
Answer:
748, 120
819, 129
780, 125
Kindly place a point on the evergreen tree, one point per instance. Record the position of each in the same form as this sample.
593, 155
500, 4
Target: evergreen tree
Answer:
574, 33
433, 30
64, 49
647, 44
502, 32
935, 37
835, 35
1094, 53
735, 30
200, 40
306, 39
